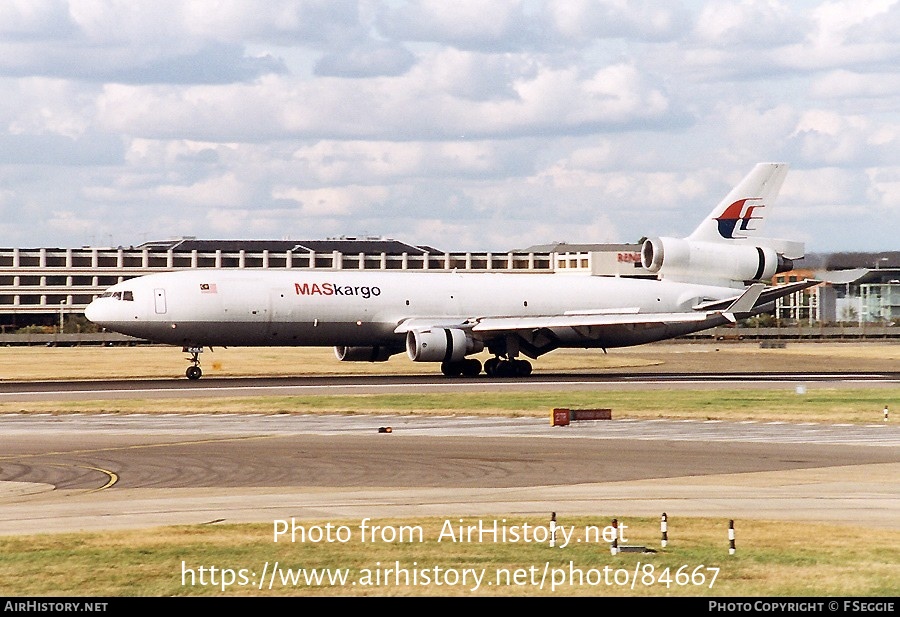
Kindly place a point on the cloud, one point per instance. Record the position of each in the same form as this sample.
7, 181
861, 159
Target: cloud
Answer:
366, 60
828, 138
60, 150
753, 24
500, 25
844, 84
588, 20
424, 103
331, 202
463, 124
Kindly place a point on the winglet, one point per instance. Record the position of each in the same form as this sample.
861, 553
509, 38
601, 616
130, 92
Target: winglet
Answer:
744, 303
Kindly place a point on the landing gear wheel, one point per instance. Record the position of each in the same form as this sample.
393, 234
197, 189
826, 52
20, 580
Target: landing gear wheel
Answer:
451, 369
193, 372
504, 369
496, 367
471, 367
522, 368
490, 366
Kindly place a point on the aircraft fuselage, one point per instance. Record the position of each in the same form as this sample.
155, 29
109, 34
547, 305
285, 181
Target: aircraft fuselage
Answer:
325, 308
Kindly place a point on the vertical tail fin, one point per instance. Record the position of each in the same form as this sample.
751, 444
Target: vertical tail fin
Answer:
743, 211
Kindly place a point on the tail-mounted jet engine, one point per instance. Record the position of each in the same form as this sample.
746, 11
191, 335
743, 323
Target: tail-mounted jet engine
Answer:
680, 259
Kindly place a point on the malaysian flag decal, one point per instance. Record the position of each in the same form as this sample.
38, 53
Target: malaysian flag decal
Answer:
208, 288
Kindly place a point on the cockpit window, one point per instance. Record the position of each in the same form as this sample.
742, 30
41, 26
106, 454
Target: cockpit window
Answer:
119, 295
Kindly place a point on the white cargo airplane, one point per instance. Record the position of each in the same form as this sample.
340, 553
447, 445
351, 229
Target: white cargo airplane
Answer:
712, 277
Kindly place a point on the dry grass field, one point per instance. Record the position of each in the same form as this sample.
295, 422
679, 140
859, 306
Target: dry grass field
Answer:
774, 559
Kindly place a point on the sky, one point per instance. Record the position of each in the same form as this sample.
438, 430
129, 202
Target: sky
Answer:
464, 125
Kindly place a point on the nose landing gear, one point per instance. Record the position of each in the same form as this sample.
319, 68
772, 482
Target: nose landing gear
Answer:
193, 372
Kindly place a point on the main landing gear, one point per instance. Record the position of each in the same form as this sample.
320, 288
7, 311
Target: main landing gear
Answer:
193, 372
498, 367
468, 367
494, 367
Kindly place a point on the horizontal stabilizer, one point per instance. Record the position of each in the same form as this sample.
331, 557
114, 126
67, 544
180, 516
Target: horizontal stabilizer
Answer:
767, 295
790, 249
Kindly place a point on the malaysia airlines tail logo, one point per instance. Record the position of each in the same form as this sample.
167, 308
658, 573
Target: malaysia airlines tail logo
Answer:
737, 217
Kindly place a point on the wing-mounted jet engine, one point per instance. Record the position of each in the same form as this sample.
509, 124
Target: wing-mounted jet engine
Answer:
372, 353
449, 346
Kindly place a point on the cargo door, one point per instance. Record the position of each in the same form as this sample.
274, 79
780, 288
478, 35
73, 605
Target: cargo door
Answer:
159, 299
279, 313
242, 302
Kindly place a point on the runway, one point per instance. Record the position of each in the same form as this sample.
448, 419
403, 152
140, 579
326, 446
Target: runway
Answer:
390, 384
101, 472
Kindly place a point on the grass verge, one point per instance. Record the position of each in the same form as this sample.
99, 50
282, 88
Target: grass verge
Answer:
405, 558
816, 404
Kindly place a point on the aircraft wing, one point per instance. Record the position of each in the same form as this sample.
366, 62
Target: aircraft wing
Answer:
572, 320
731, 308
493, 324
424, 323
512, 324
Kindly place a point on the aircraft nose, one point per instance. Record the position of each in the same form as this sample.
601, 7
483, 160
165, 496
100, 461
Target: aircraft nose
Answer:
93, 313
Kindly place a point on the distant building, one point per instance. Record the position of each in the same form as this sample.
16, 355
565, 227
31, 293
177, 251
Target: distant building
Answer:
865, 295
859, 295
343, 244
41, 286
599, 259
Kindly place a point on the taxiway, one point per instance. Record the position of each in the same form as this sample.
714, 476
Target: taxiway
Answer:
99, 472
